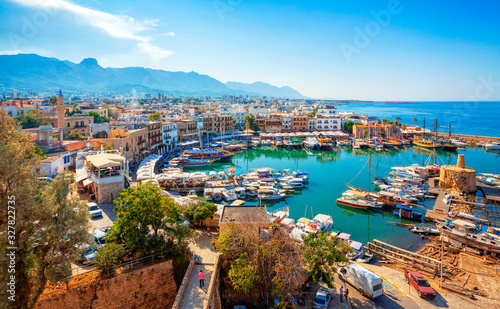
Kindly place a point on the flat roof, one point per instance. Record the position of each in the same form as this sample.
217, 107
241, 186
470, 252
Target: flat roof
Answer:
105, 160
244, 214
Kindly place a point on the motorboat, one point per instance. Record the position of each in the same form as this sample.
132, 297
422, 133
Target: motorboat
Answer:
217, 195
240, 193
367, 257
229, 194
407, 212
208, 194
458, 142
270, 194
190, 163
492, 146
325, 222
311, 143
353, 199
424, 230
251, 191
208, 154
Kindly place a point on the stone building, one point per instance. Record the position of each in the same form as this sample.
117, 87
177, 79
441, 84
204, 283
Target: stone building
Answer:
250, 216
107, 178
300, 123
186, 130
133, 144
458, 178
218, 124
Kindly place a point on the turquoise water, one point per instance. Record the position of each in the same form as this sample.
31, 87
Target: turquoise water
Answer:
479, 118
330, 170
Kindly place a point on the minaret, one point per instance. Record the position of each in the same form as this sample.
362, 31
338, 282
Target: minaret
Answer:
61, 109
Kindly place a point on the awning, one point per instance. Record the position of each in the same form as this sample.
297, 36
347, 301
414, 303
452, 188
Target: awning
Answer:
81, 174
87, 182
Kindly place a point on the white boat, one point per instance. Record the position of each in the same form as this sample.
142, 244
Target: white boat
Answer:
229, 195
367, 257
351, 199
240, 193
493, 146
311, 143
459, 142
270, 194
324, 221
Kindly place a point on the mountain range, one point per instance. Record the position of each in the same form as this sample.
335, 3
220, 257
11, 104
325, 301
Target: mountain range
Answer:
34, 72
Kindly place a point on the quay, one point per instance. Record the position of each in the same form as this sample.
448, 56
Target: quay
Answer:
440, 211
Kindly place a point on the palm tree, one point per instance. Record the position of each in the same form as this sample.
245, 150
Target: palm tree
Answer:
397, 120
414, 121
53, 101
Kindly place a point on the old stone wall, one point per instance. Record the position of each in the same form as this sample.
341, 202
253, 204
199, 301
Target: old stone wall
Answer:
149, 287
457, 179
106, 193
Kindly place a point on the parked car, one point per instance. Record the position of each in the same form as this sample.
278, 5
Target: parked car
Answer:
88, 254
415, 279
368, 283
45, 180
98, 237
322, 298
94, 210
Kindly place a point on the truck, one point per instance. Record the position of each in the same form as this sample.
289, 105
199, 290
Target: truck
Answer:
366, 282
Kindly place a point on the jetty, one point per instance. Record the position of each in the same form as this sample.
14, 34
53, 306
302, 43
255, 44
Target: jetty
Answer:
440, 211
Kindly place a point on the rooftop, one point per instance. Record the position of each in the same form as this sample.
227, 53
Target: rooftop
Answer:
102, 160
244, 214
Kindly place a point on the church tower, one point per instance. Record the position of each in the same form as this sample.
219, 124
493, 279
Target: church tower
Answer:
61, 109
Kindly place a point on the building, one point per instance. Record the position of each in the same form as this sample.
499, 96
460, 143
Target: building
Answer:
326, 111
300, 123
154, 135
76, 123
186, 130
327, 124
379, 130
106, 174
286, 123
16, 108
55, 163
133, 144
169, 134
254, 217
218, 124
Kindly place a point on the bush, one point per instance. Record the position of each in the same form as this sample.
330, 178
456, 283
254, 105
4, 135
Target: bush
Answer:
108, 256
180, 265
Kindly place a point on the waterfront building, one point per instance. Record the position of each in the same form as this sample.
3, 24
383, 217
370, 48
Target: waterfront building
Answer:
300, 123
186, 129
133, 144
218, 124
169, 134
379, 130
105, 176
154, 135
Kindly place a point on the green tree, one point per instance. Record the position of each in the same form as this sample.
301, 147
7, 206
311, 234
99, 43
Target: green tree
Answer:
414, 120
98, 118
199, 211
73, 135
144, 222
47, 229
348, 126
155, 117
109, 256
75, 111
320, 254
397, 120
53, 101
251, 122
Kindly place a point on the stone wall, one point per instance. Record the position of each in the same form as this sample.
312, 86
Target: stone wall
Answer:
106, 193
149, 287
457, 179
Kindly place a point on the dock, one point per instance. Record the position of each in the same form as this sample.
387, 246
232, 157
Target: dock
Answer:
440, 211
491, 194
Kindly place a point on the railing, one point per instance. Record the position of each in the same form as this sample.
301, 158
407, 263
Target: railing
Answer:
213, 287
130, 264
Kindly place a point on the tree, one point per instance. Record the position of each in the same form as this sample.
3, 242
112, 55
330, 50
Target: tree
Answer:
144, 222
414, 120
320, 254
155, 117
31, 120
75, 111
199, 211
251, 122
47, 229
348, 126
74, 135
397, 120
98, 118
53, 101
108, 256
266, 268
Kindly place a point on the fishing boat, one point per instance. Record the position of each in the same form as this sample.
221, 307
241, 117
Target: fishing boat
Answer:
251, 191
190, 163
208, 194
217, 195
367, 257
424, 230
208, 154
270, 194
436, 144
407, 212
311, 143
354, 199
240, 193
301, 174
458, 142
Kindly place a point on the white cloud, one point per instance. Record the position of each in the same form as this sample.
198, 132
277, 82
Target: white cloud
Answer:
117, 26
171, 33
10, 52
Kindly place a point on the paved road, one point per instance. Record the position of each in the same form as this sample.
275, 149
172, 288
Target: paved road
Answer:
194, 296
107, 219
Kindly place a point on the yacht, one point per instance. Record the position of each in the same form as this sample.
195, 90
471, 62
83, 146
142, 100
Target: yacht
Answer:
312, 143
229, 194
270, 194
351, 199
493, 146
240, 193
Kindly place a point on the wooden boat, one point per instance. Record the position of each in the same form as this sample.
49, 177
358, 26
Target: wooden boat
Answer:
367, 257
424, 230
190, 163
407, 212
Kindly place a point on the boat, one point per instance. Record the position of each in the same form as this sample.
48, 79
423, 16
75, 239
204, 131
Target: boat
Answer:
270, 194
492, 146
311, 143
367, 257
229, 194
354, 199
190, 163
407, 212
323, 222
430, 143
424, 230
217, 195
240, 193
458, 142
208, 154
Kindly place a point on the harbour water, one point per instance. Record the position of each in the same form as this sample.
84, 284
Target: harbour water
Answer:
475, 118
331, 170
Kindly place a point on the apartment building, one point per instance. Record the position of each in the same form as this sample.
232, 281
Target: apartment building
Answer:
300, 123
169, 134
218, 124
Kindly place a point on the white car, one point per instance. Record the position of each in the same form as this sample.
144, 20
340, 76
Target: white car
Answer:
98, 237
94, 210
88, 254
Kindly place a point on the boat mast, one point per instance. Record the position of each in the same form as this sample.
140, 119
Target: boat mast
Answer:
449, 130
370, 173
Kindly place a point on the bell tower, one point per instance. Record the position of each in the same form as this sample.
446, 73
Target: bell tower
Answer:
61, 109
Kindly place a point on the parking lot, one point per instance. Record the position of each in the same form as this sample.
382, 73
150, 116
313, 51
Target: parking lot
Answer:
107, 219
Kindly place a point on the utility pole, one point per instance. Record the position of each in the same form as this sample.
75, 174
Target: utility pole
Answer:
441, 272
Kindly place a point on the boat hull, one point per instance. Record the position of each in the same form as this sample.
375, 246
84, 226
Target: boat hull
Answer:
352, 204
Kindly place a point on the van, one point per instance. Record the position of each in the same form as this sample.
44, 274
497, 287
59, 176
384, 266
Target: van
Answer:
98, 237
366, 282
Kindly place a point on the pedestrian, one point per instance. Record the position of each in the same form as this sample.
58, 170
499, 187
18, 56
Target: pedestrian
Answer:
346, 294
341, 294
201, 275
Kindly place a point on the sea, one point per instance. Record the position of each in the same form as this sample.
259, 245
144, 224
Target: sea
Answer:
474, 118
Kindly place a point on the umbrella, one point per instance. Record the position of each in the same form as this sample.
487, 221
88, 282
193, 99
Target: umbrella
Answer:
181, 175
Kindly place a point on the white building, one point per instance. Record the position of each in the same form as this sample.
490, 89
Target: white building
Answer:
55, 164
328, 124
326, 111
286, 123
169, 134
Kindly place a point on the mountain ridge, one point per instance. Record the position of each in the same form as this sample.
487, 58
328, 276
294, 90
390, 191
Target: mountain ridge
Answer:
35, 72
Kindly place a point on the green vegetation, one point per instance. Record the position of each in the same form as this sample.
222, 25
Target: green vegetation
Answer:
251, 122
414, 120
32, 120
98, 118
109, 256
313, 113
145, 223
50, 222
75, 111
199, 211
155, 117
348, 126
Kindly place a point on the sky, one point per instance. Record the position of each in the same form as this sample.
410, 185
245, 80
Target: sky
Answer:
339, 49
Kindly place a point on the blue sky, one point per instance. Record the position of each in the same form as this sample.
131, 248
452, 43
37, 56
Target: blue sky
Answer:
369, 50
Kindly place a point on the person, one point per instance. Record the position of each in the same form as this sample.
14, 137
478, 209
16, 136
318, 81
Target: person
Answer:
201, 275
346, 294
341, 294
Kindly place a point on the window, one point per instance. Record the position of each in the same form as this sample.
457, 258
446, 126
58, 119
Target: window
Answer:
66, 159
82, 123
68, 125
